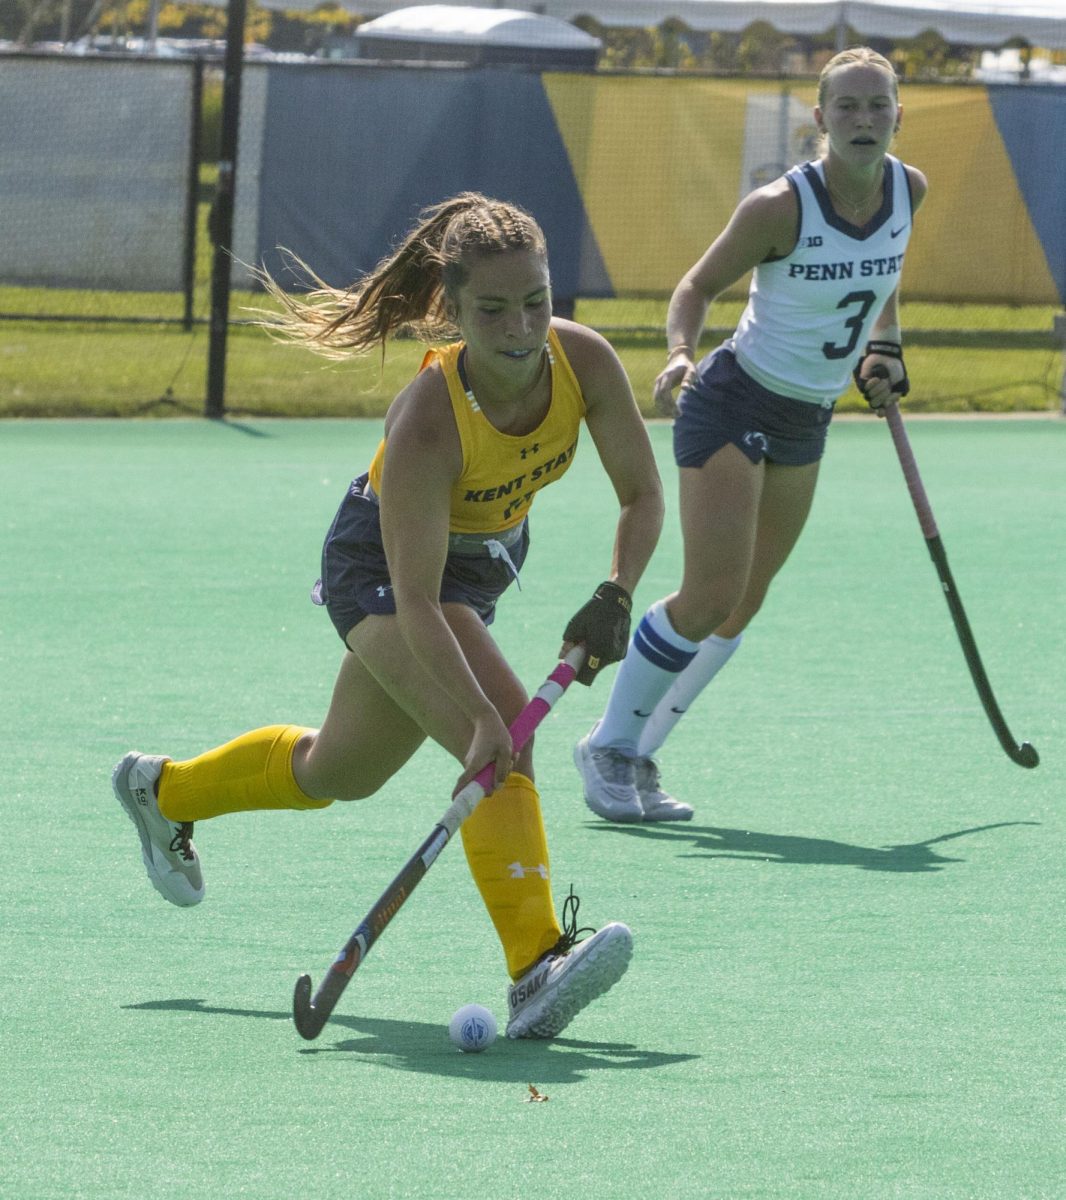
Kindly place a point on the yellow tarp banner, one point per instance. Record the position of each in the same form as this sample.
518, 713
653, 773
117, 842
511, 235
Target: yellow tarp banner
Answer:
660, 165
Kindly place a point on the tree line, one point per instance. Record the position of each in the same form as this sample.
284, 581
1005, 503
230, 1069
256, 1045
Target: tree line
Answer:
671, 45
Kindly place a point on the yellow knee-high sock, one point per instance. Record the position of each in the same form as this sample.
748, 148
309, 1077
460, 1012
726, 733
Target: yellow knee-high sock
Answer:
507, 851
251, 772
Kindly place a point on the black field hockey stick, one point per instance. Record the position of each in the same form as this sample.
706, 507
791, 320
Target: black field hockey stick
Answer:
310, 1014
1024, 755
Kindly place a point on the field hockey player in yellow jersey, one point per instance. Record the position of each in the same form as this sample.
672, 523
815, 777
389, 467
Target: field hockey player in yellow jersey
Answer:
423, 545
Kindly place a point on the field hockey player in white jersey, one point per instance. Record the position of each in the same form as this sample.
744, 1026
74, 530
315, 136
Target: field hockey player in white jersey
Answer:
422, 546
826, 242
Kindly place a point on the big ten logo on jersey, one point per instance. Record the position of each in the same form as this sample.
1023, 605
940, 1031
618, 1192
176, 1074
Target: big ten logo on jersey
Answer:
814, 240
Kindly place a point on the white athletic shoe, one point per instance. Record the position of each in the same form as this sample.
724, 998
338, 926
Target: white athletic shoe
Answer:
609, 779
169, 855
548, 996
657, 804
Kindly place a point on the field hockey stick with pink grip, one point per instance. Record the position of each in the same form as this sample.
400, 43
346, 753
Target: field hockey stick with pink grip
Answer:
1025, 754
311, 1014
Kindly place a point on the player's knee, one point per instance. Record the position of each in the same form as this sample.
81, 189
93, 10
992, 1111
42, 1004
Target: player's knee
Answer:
323, 778
347, 788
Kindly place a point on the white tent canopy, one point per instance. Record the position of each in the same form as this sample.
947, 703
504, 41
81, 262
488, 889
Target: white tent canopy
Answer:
462, 25
970, 22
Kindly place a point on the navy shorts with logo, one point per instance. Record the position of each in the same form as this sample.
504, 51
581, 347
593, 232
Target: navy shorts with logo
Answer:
724, 405
355, 574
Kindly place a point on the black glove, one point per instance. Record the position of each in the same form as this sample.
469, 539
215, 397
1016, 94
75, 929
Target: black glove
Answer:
887, 350
602, 626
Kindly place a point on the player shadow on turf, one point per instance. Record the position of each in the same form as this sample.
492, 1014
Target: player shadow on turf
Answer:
424, 1048
711, 841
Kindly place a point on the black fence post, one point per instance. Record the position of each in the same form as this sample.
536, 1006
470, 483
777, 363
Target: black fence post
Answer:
222, 211
192, 197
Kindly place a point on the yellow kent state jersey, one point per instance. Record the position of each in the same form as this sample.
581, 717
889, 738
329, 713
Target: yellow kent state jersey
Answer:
502, 473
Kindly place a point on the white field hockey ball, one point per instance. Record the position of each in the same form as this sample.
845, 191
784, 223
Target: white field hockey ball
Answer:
472, 1028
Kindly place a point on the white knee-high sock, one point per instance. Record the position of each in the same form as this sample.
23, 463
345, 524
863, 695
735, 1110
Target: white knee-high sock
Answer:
656, 656
712, 656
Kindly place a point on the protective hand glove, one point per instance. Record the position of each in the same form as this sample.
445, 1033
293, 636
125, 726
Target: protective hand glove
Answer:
602, 627
879, 371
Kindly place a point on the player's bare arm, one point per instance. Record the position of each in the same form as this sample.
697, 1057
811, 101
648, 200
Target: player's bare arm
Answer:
622, 442
763, 226
422, 462
885, 373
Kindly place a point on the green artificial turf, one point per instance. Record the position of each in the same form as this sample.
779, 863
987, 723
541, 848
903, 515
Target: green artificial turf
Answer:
848, 972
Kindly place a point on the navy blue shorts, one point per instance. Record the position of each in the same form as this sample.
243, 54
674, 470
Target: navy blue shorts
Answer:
723, 405
355, 575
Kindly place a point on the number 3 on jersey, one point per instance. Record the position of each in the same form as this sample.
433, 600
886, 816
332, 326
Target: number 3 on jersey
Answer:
865, 301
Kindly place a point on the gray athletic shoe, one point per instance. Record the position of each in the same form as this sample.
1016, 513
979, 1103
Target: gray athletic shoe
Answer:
571, 975
657, 804
166, 847
609, 779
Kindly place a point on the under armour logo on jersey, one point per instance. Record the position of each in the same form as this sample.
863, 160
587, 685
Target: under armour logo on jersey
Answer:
520, 872
758, 440
534, 449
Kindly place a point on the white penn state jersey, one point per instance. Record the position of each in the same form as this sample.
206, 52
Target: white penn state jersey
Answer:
809, 314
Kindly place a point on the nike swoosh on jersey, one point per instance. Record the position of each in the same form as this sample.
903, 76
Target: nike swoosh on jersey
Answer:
896, 232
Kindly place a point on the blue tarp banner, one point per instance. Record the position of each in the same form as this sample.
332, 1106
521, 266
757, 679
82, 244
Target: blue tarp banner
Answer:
349, 158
